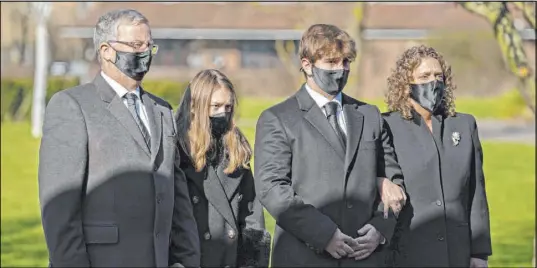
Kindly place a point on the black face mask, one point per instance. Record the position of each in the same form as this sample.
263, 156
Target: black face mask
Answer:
133, 64
428, 95
330, 81
220, 124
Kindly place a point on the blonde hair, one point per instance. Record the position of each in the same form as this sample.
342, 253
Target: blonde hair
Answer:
238, 150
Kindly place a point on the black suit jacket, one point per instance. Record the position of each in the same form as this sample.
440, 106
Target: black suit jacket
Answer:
312, 186
447, 219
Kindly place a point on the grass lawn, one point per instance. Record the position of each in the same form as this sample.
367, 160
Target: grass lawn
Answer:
506, 106
509, 169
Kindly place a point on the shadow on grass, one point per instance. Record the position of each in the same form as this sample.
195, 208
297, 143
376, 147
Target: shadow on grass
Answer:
23, 243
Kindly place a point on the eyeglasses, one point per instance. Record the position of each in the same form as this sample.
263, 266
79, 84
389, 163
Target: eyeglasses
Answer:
139, 46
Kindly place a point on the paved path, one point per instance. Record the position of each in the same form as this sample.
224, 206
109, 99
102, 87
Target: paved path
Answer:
507, 131
495, 130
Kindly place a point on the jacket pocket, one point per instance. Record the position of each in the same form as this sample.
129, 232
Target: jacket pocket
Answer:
101, 234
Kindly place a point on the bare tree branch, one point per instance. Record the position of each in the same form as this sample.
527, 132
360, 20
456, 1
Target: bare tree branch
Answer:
511, 44
528, 9
355, 31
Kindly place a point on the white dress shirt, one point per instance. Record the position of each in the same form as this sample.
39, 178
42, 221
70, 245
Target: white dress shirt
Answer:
322, 100
139, 105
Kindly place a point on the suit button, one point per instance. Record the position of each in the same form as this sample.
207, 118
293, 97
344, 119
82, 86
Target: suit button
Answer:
207, 236
239, 197
231, 234
159, 200
155, 168
157, 235
440, 238
349, 205
438, 202
195, 199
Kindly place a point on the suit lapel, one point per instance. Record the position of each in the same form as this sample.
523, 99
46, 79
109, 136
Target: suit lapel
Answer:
155, 123
355, 125
216, 195
230, 182
422, 138
453, 151
318, 120
118, 109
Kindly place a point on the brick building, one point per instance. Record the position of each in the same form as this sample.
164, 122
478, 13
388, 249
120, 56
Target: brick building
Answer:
240, 39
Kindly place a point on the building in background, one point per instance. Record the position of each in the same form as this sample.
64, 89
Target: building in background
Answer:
239, 38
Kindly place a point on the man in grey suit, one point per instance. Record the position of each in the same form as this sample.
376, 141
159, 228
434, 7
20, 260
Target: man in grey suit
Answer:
318, 155
108, 186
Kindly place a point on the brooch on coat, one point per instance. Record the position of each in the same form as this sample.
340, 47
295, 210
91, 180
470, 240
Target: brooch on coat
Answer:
456, 138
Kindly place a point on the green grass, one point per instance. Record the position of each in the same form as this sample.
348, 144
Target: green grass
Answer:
22, 238
509, 169
506, 106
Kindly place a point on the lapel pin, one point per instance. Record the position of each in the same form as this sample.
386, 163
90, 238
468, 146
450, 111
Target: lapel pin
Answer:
456, 138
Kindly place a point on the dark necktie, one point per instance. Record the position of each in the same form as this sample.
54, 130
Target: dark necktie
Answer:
331, 114
131, 104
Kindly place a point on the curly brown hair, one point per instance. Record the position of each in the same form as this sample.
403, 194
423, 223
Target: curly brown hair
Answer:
400, 79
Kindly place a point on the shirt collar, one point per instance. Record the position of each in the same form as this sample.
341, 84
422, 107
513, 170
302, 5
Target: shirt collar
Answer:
119, 89
322, 100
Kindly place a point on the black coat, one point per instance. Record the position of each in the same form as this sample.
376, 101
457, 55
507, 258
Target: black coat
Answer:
447, 219
312, 185
230, 220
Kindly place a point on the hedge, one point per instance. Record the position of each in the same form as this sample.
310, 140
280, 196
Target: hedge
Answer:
16, 94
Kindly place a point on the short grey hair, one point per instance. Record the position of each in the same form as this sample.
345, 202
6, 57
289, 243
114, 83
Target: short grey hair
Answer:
107, 25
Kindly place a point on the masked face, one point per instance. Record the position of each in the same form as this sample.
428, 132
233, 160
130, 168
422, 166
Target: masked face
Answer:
428, 95
220, 124
427, 86
330, 81
133, 64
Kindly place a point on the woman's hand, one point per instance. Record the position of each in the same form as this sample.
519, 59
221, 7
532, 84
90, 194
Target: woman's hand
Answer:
392, 196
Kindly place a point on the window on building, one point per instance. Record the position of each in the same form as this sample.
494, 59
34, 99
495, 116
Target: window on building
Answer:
171, 52
259, 54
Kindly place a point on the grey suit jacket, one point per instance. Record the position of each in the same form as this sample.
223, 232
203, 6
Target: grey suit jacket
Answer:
106, 199
446, 220
312, 186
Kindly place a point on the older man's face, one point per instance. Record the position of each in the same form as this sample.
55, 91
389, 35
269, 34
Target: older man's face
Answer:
130, 38
131, 51
133, 38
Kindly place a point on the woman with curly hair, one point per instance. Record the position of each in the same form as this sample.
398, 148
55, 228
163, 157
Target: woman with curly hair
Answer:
446, 220
215, 157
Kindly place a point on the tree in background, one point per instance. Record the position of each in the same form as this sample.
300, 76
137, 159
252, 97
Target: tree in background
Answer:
287, 49
355, 31
511, 46
18, 16
510, 42
528, 9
